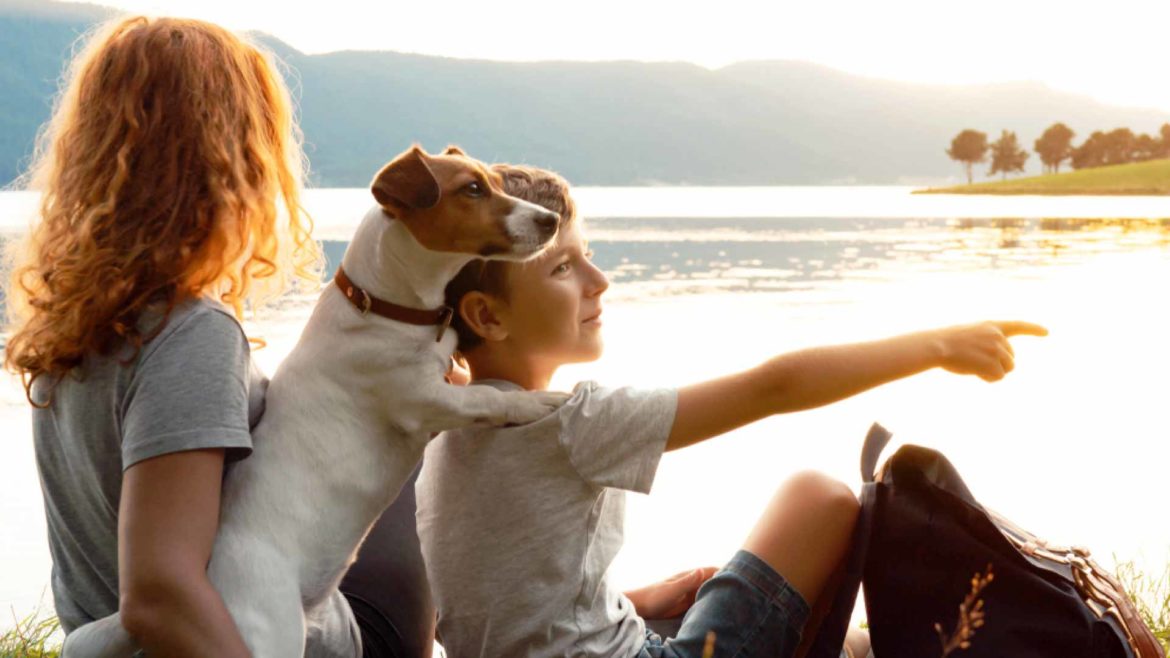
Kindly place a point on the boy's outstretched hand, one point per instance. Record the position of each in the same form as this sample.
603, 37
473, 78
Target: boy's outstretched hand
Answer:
671, 597
983, 348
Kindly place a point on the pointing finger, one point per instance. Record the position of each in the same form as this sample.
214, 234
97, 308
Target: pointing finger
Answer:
1016, 328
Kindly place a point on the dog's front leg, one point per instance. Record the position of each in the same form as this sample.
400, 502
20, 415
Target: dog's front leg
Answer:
442, 406
260, 585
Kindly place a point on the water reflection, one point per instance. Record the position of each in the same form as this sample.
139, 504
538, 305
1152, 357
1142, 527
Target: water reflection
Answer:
1062, 224
671, 256
664, 256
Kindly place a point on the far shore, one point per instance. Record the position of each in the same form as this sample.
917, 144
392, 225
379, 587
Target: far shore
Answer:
1136, 179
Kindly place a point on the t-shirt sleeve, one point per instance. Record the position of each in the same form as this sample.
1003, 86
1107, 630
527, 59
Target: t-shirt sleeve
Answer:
189, 390
615, 437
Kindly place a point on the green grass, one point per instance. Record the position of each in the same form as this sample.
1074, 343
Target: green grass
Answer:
32, 637
1141, 178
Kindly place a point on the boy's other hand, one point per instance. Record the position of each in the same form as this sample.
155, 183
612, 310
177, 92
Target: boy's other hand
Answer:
983, 349
458, 374
671, 597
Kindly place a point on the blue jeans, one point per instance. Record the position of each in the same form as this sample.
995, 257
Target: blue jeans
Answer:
751, 609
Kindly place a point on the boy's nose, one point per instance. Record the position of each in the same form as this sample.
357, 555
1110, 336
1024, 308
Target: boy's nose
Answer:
600, 281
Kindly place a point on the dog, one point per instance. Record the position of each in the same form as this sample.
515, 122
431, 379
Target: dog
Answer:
350, 410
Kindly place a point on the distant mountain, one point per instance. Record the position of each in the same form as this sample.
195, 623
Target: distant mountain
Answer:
608, 123
35, 38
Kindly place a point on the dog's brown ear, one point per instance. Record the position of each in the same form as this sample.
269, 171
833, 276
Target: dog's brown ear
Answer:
407, 183
453, 150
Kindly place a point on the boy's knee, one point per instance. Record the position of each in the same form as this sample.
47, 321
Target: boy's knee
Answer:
830, 498
806, 531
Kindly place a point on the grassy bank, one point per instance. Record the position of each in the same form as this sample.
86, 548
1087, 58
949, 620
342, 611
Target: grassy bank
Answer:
35, 636
1141, 178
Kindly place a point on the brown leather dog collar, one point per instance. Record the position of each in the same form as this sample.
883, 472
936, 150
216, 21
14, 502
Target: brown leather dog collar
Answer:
367, 303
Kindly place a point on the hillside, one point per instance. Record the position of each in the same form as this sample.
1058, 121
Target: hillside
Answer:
599, 123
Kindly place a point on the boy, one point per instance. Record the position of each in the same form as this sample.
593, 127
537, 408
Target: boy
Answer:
519, 525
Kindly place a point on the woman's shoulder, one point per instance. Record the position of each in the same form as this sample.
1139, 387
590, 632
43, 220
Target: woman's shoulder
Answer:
193, 323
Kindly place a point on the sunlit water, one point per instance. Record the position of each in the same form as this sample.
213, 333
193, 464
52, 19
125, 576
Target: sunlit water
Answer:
1074, 445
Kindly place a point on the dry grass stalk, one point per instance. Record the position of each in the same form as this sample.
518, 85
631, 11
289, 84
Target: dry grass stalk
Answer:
970, 616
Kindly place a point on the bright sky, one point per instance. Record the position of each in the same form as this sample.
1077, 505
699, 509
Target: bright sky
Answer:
1112, 51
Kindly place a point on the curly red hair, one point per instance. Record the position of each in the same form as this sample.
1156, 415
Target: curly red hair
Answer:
171, 168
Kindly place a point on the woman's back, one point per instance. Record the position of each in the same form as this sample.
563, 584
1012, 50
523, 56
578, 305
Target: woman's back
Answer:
192, 387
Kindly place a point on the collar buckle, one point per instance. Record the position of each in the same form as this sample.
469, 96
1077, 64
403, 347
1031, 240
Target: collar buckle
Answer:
445, 315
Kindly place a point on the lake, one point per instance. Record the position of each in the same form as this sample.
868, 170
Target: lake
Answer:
1073, 445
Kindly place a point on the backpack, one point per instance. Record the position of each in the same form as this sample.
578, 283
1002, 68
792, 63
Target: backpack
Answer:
945, 576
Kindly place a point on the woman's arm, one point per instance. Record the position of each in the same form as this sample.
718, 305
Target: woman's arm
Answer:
167, 523
822, 375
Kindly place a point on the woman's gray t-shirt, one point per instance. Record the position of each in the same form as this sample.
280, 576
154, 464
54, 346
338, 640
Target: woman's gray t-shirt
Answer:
193, 386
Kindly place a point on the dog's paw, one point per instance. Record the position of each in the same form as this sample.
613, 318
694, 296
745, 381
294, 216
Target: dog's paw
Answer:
525, 407
104, 638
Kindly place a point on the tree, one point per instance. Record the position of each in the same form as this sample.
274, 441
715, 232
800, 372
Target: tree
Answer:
1091, 153
1145, 148
1163, 150
1006, 155
1055, 146
1119, 146
969, 147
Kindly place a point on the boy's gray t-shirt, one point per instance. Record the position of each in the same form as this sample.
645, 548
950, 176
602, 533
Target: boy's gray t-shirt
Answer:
519, 525
193, 386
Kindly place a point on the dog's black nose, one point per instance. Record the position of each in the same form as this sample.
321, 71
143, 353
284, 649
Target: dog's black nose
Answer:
547, 222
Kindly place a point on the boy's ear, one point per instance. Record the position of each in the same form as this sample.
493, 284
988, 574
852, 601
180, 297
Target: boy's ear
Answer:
480, 313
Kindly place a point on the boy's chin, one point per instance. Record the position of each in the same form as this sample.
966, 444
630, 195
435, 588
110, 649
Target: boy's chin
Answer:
596, 348
589, 352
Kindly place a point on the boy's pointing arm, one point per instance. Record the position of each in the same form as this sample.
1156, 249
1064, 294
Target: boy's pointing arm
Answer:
822, 375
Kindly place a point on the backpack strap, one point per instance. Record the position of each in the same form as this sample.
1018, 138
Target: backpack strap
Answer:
831, 634
875, 442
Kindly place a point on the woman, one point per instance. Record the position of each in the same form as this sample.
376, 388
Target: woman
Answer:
171, 173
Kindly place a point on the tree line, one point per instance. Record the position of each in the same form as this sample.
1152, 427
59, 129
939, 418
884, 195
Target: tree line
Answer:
1119, 146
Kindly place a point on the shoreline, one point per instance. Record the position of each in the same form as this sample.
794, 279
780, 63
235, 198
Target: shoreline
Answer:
1144, 191
1149, 179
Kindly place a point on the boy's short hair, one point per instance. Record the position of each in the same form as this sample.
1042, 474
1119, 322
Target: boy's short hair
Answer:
540, 186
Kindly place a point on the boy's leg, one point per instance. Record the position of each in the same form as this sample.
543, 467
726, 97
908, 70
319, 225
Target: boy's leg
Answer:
805, 534
387, 586
753, 609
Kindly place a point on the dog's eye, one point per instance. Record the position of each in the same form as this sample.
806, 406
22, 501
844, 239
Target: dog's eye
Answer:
473, 189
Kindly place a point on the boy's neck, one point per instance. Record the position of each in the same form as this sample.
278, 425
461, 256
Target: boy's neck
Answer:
489, 362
